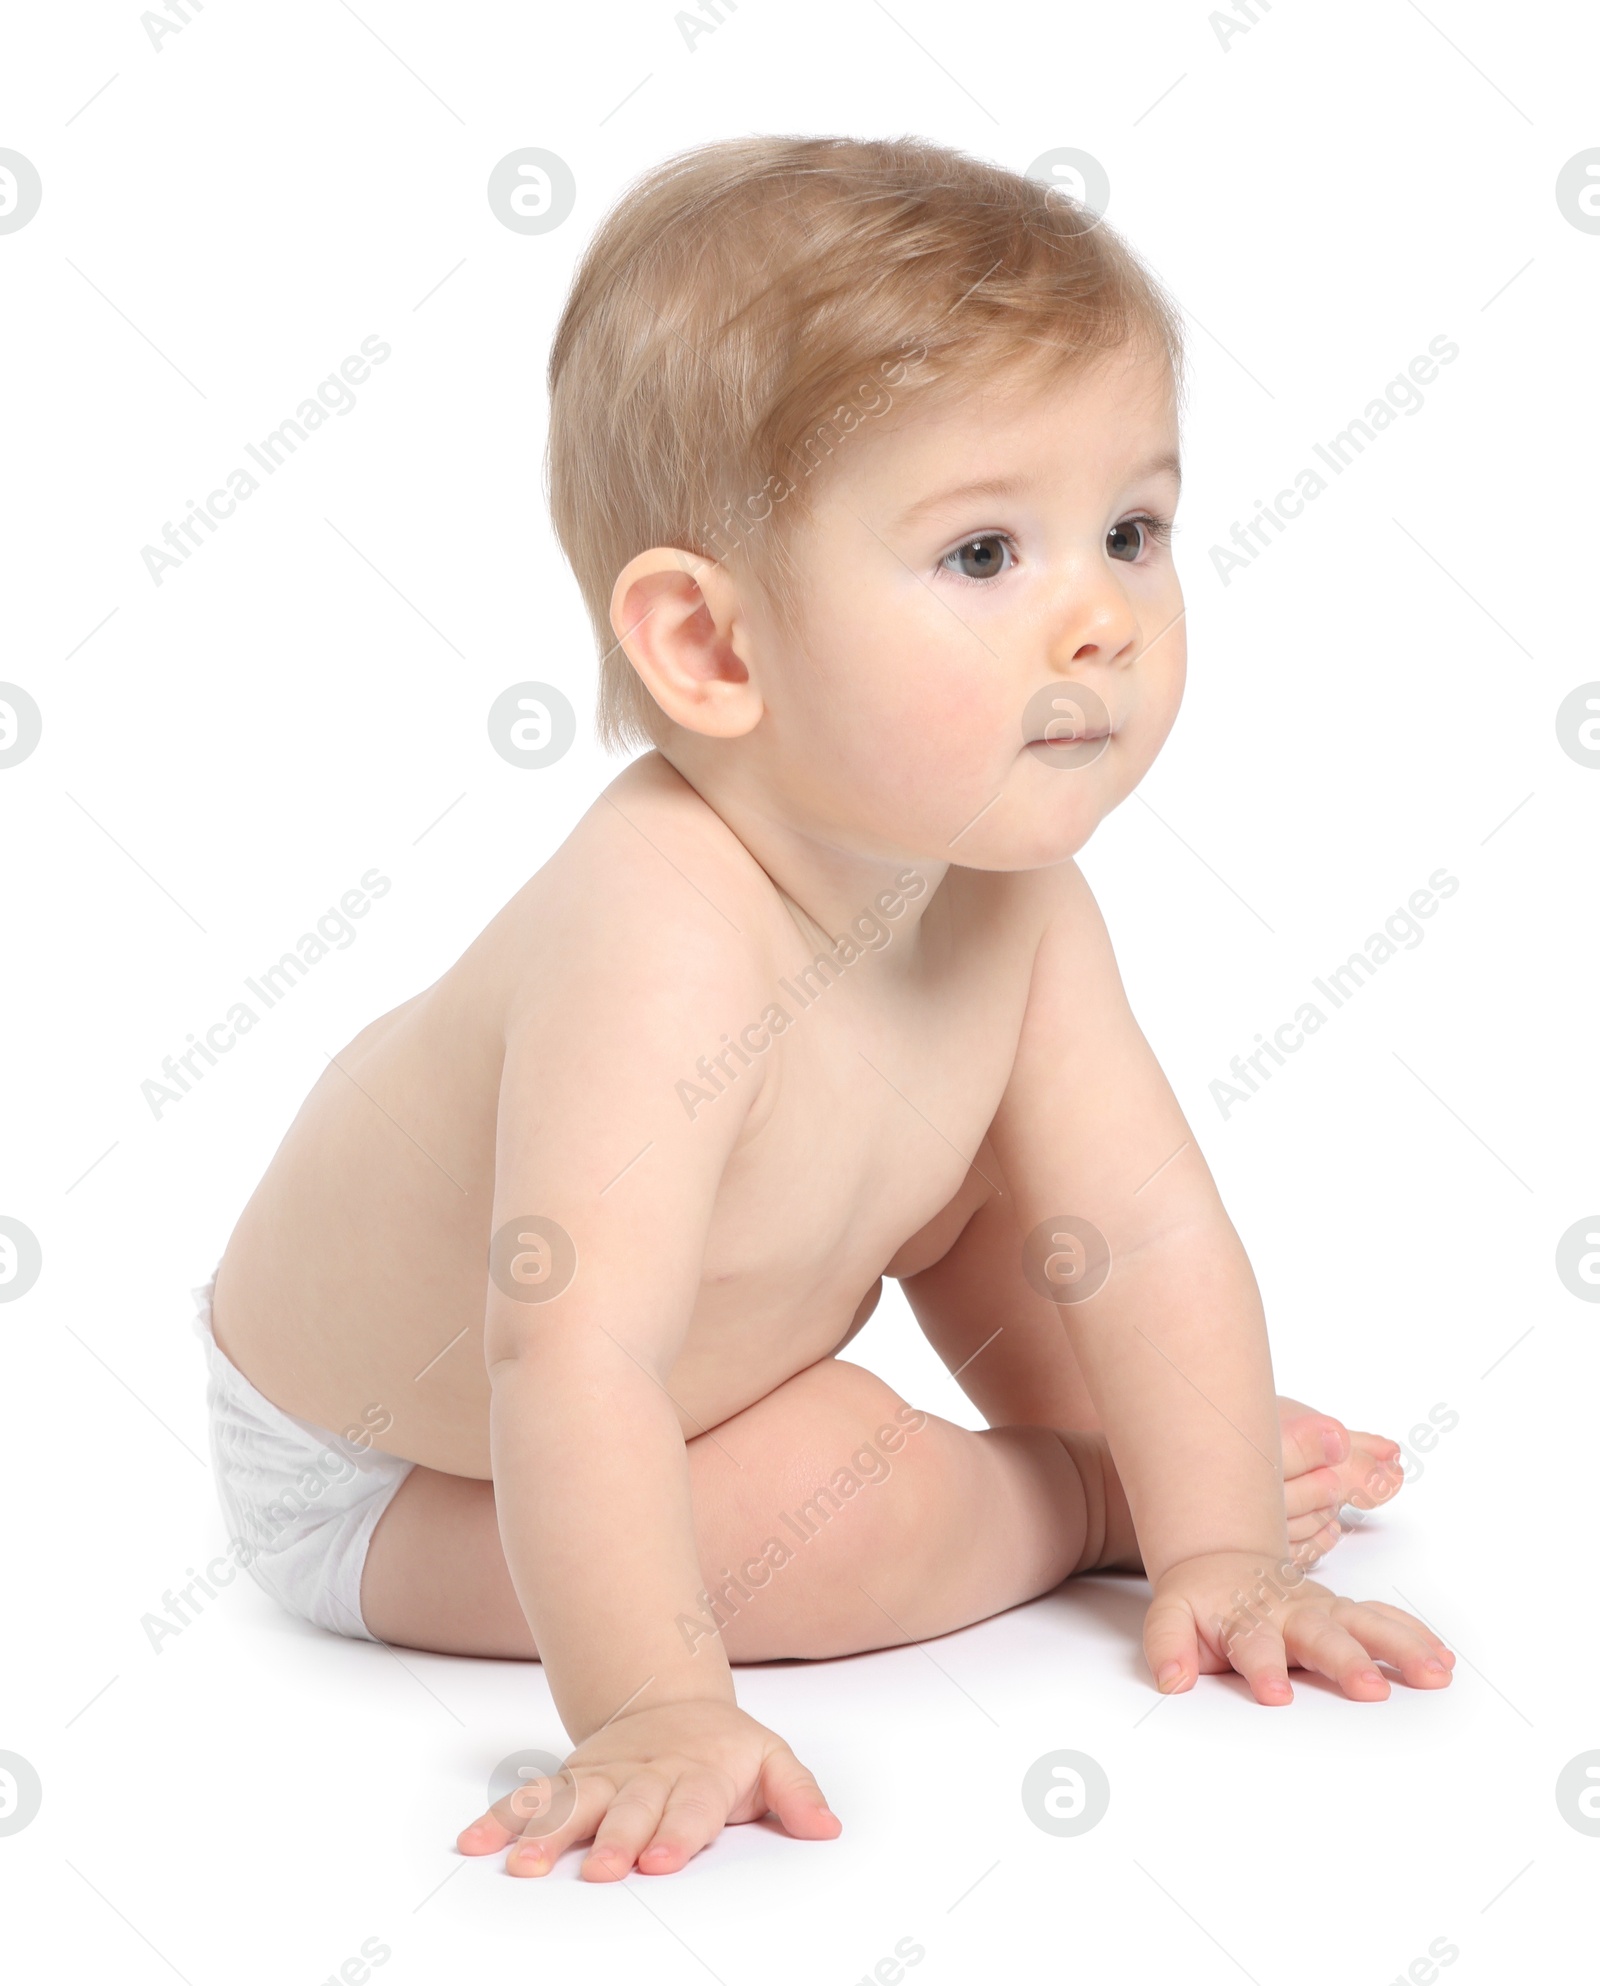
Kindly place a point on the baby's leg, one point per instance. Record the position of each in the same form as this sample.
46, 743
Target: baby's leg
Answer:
1325, 1464
948, 1528
1028, 1374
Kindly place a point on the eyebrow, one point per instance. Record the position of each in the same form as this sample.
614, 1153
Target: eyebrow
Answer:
1009, 486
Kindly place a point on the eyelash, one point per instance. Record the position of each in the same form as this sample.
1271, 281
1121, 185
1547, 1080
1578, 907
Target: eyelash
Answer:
1158, 531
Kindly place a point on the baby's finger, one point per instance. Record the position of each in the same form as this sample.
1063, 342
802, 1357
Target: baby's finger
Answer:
629, 1822
1171, 1646
511, 1815
795, 1797
1405, 1644
1445, 1654
1259, 1657
696, 1812
551, 1830
486, 1835
1316, 1641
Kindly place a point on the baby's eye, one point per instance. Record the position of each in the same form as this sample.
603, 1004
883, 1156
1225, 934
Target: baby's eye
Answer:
979, 558
1129, 538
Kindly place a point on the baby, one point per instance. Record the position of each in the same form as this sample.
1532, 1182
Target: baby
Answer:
865, 456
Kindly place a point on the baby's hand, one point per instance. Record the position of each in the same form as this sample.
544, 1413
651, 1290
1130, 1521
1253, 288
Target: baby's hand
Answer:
1207, 1616
654, 1787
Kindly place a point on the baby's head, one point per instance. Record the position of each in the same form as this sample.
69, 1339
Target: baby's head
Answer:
865, 457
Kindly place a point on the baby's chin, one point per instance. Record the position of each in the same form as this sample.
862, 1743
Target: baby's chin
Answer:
1030, 815
1042, 821
1037, 843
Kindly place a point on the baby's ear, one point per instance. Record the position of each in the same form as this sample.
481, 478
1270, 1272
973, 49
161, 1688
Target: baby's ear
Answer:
677, 618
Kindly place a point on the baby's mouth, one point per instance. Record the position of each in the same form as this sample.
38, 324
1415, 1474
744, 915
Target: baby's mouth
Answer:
1068, 740
1067, 724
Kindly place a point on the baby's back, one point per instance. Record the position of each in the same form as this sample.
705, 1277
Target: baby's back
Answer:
357, 1274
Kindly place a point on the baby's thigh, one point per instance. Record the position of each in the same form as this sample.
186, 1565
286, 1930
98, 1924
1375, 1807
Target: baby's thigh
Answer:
827, 1485
435, 1574
828, 1508
833, 1447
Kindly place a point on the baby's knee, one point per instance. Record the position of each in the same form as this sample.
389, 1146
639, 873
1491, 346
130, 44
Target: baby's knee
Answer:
873, 1472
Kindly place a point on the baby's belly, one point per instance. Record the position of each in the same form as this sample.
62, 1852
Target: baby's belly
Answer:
424, 1368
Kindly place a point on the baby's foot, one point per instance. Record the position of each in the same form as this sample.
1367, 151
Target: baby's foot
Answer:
1326, 1466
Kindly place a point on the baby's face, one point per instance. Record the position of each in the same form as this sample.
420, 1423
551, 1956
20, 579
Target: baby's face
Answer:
947, 635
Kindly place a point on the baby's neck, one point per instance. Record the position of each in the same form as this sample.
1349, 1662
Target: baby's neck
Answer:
824, 879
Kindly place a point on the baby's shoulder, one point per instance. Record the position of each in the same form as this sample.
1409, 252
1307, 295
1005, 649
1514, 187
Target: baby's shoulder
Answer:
651, 904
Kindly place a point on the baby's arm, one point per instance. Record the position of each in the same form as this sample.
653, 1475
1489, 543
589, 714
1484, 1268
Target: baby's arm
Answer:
587, 1447
1174, 1346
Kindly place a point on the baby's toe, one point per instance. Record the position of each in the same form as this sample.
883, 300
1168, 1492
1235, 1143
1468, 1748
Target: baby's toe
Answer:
1324, 1462
1315, 1489
1312, 1441
1319, 1544
1374, 1471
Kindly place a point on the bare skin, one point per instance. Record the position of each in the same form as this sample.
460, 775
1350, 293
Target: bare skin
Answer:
641, 1050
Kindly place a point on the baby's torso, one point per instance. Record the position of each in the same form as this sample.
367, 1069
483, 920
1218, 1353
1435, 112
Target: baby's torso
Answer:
357, 1275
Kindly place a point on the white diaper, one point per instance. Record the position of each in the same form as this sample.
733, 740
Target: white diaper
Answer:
301, 1503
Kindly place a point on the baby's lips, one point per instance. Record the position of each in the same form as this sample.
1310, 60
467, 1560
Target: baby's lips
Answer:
1094, 736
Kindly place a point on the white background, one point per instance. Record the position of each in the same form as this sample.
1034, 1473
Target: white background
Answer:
225, 754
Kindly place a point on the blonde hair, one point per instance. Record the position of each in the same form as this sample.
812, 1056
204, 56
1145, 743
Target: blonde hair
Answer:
738, 308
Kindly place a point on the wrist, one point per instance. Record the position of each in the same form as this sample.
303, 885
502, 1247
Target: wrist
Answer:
593, 1712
